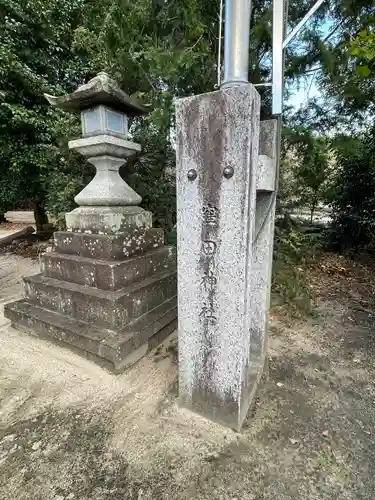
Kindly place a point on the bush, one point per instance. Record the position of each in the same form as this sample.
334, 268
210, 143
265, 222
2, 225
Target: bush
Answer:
296, 247
353, 198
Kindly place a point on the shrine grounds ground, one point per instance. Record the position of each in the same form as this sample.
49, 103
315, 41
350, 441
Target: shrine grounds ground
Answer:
71, 430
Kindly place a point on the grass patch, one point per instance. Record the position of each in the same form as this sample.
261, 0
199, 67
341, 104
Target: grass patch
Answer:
297, 247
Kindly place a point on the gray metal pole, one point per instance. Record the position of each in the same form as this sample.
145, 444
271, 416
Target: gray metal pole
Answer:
236, 42
278, 30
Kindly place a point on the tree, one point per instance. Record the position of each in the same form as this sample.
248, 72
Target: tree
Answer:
363, 48
35, 57
156, 50
307, 156
313, 173
353, 199
343, 58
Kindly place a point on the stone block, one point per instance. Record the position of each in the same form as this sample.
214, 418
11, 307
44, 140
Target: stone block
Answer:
106, 274
107, 220
217, 158
111, 247
111, 309
116, 350
262, 254
266, 174
13, 235
100, 145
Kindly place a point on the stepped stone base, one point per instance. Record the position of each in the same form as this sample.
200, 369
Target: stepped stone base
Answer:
115, 350
112, 297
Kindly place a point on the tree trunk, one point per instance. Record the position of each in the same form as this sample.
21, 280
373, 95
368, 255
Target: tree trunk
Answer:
40, 216
312, 210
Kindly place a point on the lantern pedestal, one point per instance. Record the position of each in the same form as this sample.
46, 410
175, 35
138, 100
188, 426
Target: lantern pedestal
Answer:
107, 220
109, 289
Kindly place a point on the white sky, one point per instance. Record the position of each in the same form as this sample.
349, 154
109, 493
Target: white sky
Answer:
306, 88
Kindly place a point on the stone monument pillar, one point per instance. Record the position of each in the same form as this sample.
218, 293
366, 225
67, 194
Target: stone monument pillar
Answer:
109, 288
226, 162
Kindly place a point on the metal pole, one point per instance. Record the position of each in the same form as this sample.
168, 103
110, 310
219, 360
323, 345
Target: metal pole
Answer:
236, 42
278, 30
302, 23
220, 40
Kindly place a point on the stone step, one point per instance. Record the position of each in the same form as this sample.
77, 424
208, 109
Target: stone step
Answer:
116, 350
105, 274
105, 246
111, 309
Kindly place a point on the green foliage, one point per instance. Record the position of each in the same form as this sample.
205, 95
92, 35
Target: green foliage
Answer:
346, 64
312, 174
295, 249
35, 57
353, 198
363, 48
156, 50
305, 170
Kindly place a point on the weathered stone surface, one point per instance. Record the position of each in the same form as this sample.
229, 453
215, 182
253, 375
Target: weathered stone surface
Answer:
99, 90
116, 350
109, 288
262, 254
105, 145
216, 223
6, 240
112, 247
107, 188
266, 174
105, 274
113, 309
20, 216
107, 220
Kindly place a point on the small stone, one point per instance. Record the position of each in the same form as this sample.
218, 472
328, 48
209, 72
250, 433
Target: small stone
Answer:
9, 438
293, 441
211, 457
280, 384
36, 446
325, 433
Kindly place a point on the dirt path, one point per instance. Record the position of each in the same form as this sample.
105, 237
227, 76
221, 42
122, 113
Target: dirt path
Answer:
70, 430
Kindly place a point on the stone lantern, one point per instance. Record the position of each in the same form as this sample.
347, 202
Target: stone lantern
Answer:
104, 115
109, 288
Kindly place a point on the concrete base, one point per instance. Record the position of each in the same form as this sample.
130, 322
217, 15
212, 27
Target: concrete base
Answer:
109, 247
107, 220
112, 297
115, 350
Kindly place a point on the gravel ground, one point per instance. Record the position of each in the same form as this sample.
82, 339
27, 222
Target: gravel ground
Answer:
71, 430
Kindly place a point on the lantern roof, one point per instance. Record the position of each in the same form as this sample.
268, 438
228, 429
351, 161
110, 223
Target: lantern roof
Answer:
99, 90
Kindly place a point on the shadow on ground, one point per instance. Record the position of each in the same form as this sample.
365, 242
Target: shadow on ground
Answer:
70, 430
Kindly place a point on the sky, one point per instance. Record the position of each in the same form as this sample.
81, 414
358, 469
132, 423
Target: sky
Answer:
307, 88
